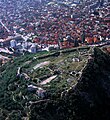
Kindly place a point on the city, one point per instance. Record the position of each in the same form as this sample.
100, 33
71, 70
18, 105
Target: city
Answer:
54, 59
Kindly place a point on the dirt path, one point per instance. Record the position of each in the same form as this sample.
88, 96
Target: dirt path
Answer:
48, 80
41, 64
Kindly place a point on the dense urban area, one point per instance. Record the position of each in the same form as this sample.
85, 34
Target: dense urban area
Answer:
44, 25
54, 59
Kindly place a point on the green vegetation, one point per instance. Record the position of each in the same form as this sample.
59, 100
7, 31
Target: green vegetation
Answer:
17, 100
88, 100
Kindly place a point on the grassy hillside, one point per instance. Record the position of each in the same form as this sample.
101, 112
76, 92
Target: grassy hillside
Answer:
53, 72
88, 100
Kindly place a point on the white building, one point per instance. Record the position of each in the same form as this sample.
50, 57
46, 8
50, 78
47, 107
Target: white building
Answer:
33, 48
13, 43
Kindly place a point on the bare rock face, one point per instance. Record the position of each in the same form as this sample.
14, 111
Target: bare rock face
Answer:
89, 100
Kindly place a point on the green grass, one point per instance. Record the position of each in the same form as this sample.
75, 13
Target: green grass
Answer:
13, 89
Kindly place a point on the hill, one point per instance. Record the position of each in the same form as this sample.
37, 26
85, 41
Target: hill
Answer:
62, 85
88, 100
